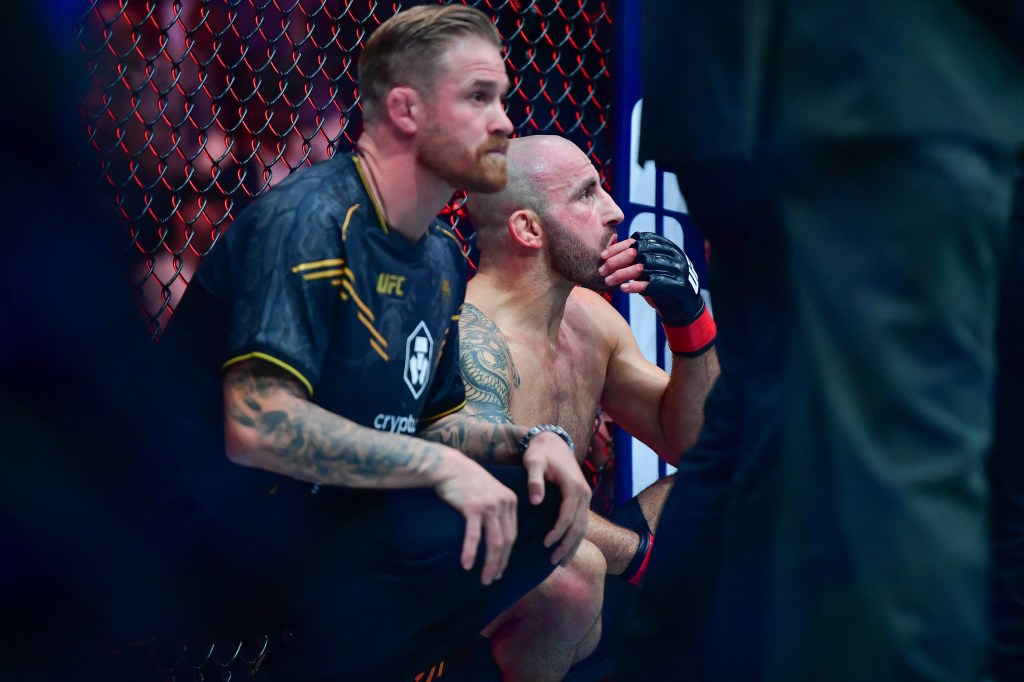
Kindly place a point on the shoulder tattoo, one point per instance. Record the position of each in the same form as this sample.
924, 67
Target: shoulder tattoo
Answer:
487, 367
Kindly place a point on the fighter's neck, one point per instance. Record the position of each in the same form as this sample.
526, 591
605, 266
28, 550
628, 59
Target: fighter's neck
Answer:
408, 195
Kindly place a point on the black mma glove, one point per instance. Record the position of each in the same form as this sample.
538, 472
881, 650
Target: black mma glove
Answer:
674, 291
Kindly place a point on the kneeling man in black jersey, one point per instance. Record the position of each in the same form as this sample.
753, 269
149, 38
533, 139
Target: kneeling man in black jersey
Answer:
320, 338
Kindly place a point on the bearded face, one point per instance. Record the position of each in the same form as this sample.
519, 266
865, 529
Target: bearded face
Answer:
577, 261
483, 169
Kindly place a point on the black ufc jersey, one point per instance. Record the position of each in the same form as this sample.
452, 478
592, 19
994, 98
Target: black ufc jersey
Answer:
311, 279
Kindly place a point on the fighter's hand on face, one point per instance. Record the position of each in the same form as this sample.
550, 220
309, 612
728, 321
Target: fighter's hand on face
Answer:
549, 459
620, 269
490, 510
664, 275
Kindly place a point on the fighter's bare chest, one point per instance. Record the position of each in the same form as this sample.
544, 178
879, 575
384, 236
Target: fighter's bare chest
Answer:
561, 386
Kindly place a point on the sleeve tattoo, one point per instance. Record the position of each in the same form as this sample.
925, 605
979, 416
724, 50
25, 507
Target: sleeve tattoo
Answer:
309, 443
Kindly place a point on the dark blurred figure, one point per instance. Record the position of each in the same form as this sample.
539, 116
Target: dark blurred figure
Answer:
79, 421
851, 165
1007, 467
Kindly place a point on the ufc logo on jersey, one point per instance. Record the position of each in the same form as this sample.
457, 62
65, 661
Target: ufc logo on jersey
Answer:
419, 349
390, 285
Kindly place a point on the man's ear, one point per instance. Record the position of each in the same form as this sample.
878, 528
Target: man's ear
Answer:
525, 228
402, 105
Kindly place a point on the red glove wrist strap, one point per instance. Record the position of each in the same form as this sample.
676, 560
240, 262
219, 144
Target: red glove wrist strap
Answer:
694, 338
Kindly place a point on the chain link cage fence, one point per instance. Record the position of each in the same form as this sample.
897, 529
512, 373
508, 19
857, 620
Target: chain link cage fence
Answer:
198, 106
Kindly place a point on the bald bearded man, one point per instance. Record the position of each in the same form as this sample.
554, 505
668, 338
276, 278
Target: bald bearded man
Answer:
539, 344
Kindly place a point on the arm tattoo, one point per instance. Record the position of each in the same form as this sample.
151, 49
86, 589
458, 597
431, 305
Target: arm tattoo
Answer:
302, 440
484, 441
484, 430
487, 367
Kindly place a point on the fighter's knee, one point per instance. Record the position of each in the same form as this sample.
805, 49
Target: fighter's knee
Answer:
578, 588
575, 594
569, 601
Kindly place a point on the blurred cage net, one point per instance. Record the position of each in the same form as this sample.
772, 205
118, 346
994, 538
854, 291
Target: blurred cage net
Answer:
198, 106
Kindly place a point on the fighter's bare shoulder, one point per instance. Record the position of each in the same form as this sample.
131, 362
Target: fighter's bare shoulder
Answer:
594, 316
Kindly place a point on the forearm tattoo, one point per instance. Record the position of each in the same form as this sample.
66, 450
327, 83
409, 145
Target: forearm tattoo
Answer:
487, 442
302, 440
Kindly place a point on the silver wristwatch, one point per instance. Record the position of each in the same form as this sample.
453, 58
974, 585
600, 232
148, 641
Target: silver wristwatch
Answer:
553, 428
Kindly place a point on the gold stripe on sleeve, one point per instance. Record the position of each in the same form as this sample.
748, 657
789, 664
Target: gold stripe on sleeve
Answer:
435, 417
274, 361
323, 274
313, 265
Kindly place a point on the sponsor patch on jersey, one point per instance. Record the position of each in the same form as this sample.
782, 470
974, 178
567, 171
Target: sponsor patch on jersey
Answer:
419, 348
395, 423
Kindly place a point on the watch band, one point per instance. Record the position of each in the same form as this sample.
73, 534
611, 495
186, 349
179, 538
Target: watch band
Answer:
541, 428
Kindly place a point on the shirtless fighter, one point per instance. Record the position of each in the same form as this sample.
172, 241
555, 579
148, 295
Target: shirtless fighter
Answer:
539, 345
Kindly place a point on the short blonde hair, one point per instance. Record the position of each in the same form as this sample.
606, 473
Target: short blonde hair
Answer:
408, 48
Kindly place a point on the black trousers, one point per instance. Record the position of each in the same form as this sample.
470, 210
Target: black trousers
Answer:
1006, 468
852, 490
369, 583
857, 183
